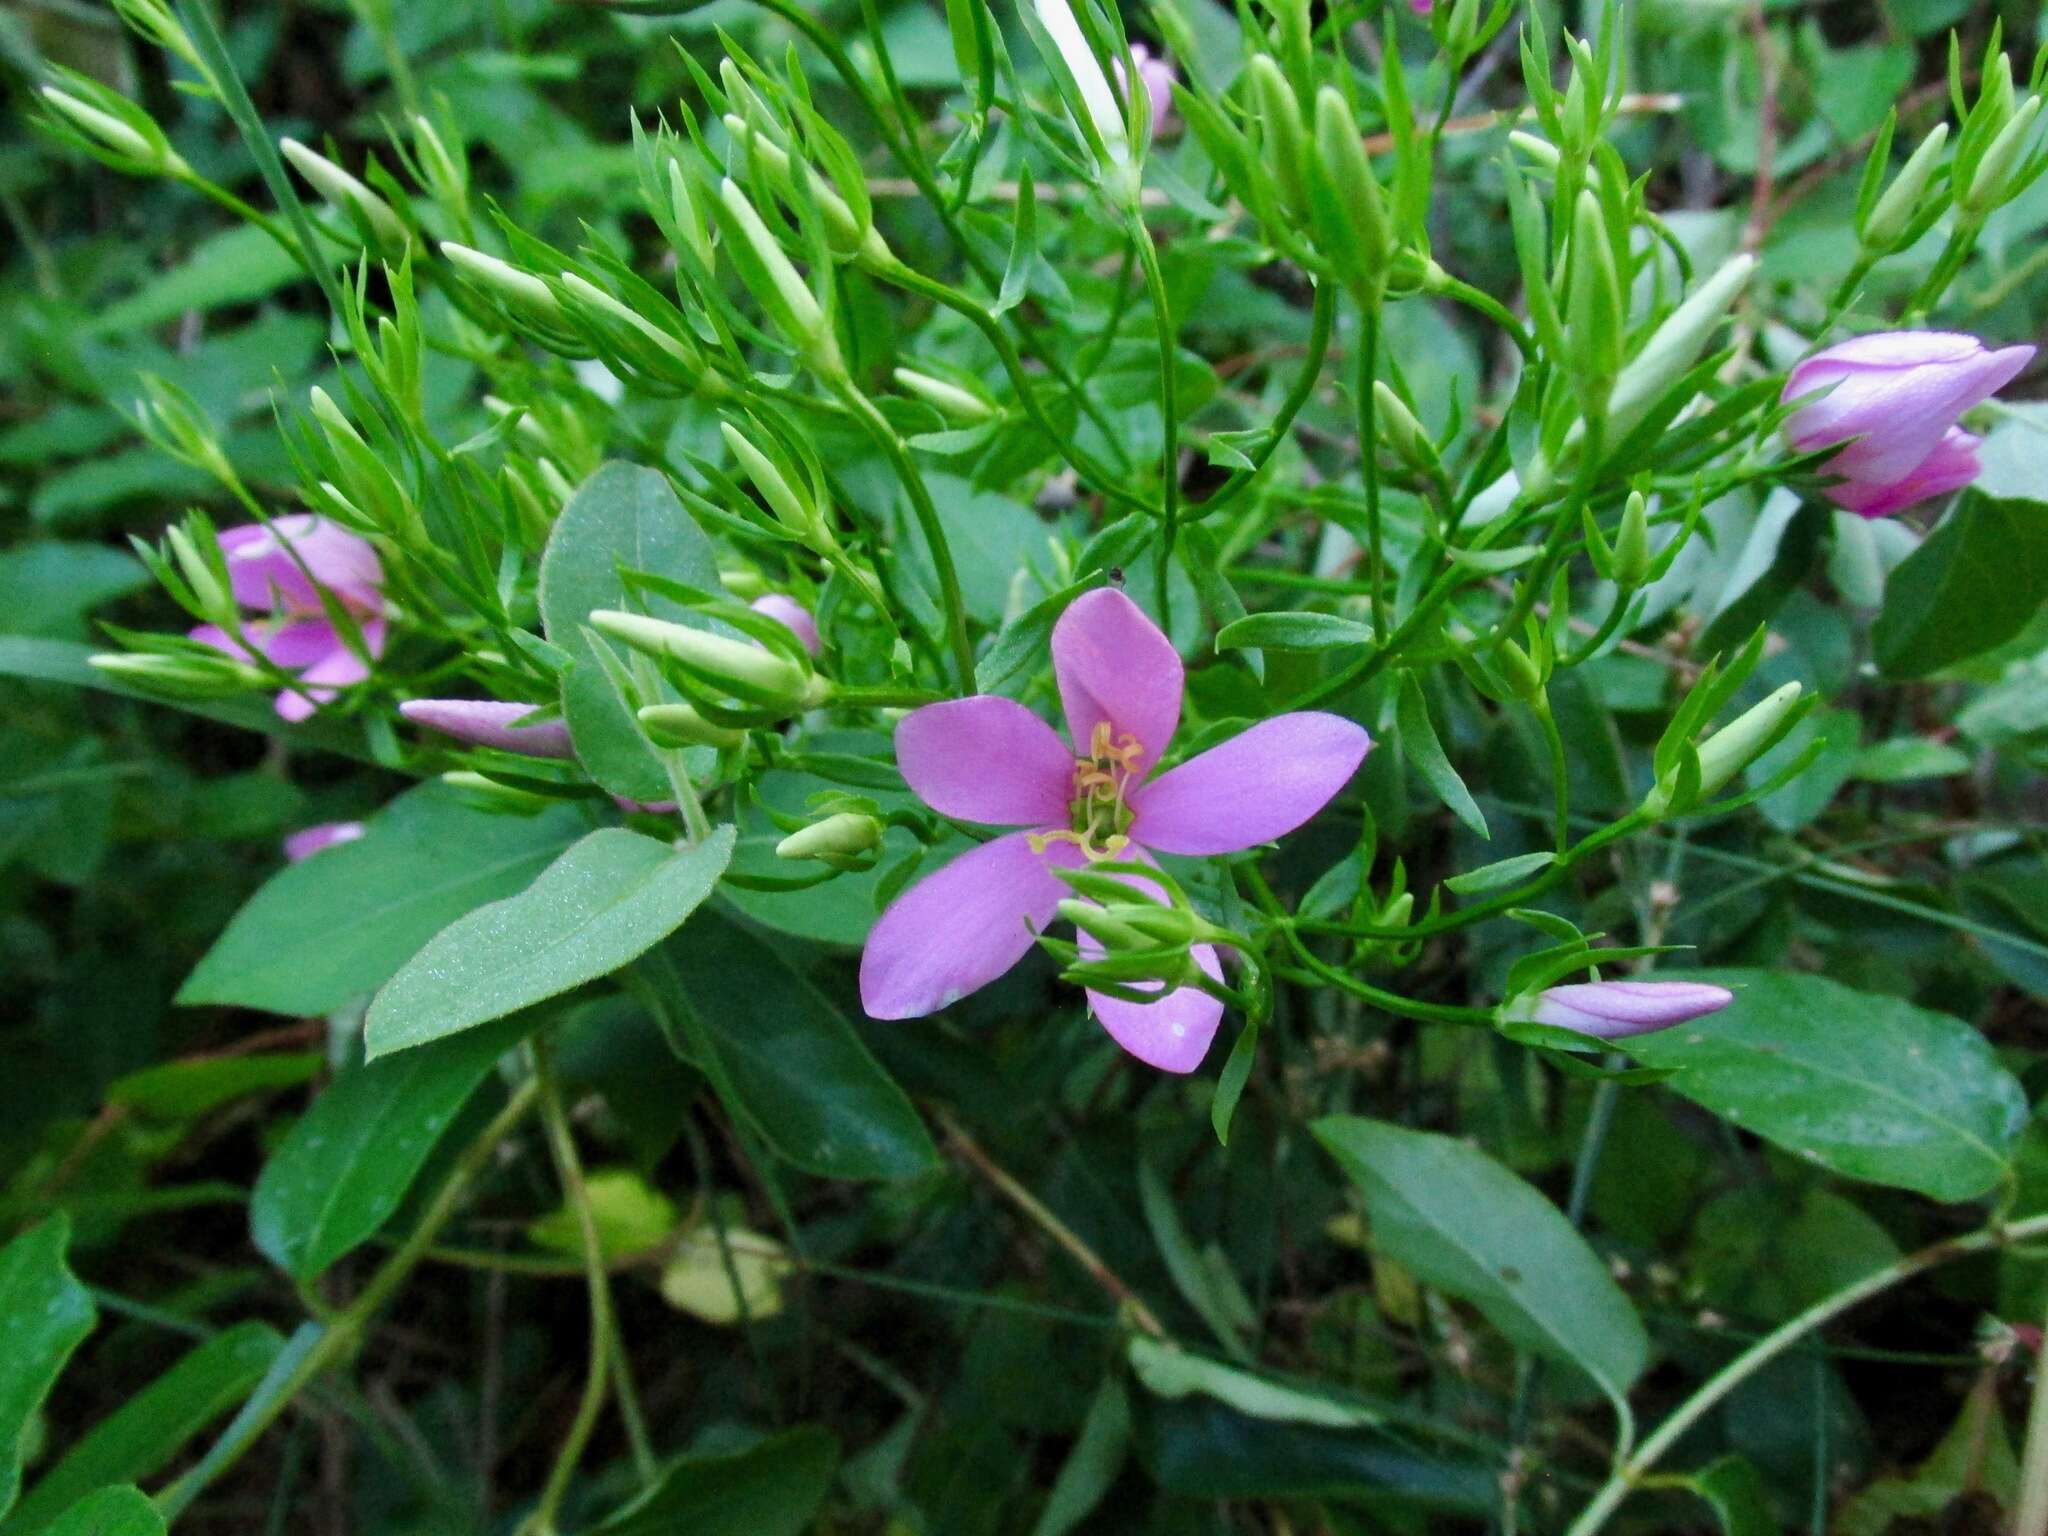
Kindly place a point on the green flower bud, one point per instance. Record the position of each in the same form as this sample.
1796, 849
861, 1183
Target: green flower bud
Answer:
1676, 345
1098, 922
1737, 744
347, 193
678, 725
339, 429
1284, 140
948, 399
743, 584
147, 149
836, 837
794, 510
1354, 229
521, 291
211, 598
182, 676
447, 176
778, 287
1894, 211
843, 232
1593, 314
689, 217
1987, 183
750, 670
628, 330
1542, 151
1632, 544
1404, 434
1519, 671
1100, 113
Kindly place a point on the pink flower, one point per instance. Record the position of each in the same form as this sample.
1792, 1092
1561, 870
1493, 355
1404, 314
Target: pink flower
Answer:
1420, 7
1614, 1010
989, 759
297, 636
1156, 75
791, 615
489, 723
311, 840
1893, 399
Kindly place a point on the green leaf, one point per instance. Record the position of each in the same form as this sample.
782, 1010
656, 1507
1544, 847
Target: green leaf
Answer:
1022, 643
336, 927
141, 1436
1735, 1490
44, 1313
1972, 585
624, 517
109, 1512
1293, 632
1780, 551
601, 904
1904, 758
1420, 746
232, 267
1091, 1467
185, 1090
1490, 877
779, 1053
347, 1163
773, 1488
1223, 1310
1464, 1224
1167, 1370
1869, 1086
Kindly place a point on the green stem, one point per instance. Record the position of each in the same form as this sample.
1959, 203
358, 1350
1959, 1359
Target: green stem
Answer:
1561, 826
1369, 461
1774, 1344
569, 1169
1321, 321
2032, 1519
340, 1335
1169, 392
878, 428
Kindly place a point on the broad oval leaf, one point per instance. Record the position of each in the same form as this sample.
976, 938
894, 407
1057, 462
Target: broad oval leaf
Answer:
1972, 585
772, 1488
118, 1511
340, 924
603, 903
1293, 632
1464, 1224
348, 1161
44, 1313
1869, 1086
625, 517
779, 1053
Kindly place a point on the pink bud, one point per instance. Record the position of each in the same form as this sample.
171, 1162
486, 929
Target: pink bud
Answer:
490, 723
1614, 1010
1419, 7
311, 840
792, 616
1156, 75
1893, 399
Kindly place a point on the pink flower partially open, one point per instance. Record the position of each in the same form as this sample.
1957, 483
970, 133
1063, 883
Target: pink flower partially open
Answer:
792, 616
1614, 1010
491, 723
296, 633
989, 759
1893, 399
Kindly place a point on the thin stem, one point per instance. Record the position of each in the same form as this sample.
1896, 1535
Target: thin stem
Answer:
1369, 460
878, 428
1321, 322
2032, 1519
1169, 394
1775, 1343
339, 1336
1560, 779
1042, 1217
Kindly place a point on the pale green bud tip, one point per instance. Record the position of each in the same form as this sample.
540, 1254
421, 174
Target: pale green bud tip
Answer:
110, 131
1894, 211
848, 832
597, 299
948, 399
345, 191
1542, 151
1678, 342
501, 277
792, 510
737, 662
1987, 183
1398, 425
801, 312
189, 675
678, 725
1097, 99
1365, 239
1632, 543
1732, 748
331, 417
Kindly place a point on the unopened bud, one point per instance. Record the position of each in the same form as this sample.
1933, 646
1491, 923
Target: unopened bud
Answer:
1542, 151
750, 670
210, 596
743, 584
836, 837
448, 177
1737, 744
1099, 108
1676, 345
948, 399
1894, 211
844, 232
678, 725
184, 676
1617, 1010
1593, 314
334, 422
1988, 182
793, 510
150, 153
1101, 925
1284, 139
1397, 424
1360, 240
521, 291
347, 193
1632, 543
1519, 671
778, 287
689, 218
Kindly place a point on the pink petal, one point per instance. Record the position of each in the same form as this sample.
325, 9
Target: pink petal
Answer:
1951, 466
960, 929
1896, 411
1251, 789
988, 759
1172, 1034
330, 673
489, 723
1115, 665
291, 645
793, 616
309, 841
263, 575
1615, 1010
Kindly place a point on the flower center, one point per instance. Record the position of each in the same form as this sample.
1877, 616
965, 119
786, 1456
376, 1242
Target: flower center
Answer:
1099, 815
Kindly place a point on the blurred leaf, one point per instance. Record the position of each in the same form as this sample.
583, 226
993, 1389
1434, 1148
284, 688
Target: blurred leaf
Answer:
698, 1277
109, 1512
630, 1215
237, 265
345, 1166
1868, 1086
185, 1090
139, 1438
1167, 1370
336, 927
1466, 1225
1091, 1467
51, 586
600, 905
44, 1314
780, 1054
1975, 582
773, 1488
1905, 758
1223, 1311
1740, 1502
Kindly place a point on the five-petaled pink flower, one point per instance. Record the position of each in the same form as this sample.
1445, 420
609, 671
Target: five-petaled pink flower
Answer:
296, 633
1893, 398
989, 759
